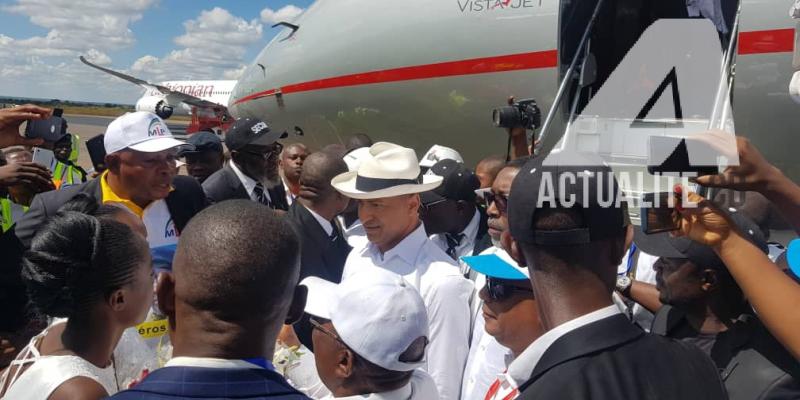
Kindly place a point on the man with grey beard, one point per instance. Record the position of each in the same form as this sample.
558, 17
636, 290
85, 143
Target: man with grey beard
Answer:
252, 172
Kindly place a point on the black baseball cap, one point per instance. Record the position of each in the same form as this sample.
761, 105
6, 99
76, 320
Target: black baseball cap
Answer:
576, 181
203, 141
458, 183
664, 245
246, 131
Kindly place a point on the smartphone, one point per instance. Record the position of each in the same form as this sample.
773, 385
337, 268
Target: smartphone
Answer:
44, 158
678, 160
51, 129
660, 216
97, 152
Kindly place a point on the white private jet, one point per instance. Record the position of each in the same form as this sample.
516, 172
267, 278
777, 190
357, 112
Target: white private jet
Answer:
205, 101
422, 72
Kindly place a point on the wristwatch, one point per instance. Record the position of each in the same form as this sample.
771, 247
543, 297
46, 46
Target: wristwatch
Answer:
624, 284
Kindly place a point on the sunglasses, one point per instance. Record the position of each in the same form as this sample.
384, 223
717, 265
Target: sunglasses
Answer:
270, 155
318, 325
500, 290
500, 201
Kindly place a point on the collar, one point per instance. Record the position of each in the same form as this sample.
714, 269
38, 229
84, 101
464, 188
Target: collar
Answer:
325, 224
408, 249
110, 197
404, 393
248, 182
522, 367
471, 231
219, 363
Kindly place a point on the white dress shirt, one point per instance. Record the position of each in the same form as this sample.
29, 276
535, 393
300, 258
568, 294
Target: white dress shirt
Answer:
446, 294
467, 243
249, 183
643, 271
325, 224
520, 370
355, 234
206, 362
289, 196
420, 387
487, 358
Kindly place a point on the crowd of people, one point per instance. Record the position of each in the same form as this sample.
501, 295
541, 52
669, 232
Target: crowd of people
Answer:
361, 271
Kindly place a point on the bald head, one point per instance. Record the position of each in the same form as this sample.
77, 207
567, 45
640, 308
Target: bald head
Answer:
238, 261
488, 168
358, 140
318, 170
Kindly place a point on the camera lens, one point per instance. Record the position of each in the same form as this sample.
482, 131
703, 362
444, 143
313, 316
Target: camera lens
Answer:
506, 117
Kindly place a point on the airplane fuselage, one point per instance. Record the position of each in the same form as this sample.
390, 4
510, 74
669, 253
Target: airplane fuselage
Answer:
422, 73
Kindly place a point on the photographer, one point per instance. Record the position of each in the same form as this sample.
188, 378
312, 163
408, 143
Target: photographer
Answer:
517, 118
21, 180
705, 307
774, 295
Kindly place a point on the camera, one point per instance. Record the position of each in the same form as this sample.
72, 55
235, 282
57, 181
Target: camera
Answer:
522, 114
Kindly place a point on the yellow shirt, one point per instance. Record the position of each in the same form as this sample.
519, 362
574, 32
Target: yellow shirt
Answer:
110, 197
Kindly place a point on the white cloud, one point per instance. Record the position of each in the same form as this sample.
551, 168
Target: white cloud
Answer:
213, 47
75, 24
287, 13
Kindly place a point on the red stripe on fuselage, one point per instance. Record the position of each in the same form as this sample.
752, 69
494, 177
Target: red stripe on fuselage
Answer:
761, 42
755, 42
512, 62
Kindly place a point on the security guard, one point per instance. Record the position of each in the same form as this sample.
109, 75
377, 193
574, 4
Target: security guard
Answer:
67, 172
11, 213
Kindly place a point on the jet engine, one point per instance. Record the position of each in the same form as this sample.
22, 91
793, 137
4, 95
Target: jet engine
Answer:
155, 104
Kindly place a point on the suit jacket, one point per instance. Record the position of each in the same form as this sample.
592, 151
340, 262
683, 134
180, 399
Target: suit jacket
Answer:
613, 359
183, 203
206, 383
482, 240
752, 363
225, 185
319, 256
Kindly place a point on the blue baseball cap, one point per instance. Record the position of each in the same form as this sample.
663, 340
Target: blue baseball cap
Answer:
497, 265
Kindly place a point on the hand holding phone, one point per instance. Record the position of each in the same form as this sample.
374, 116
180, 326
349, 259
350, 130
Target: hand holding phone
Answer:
660, 215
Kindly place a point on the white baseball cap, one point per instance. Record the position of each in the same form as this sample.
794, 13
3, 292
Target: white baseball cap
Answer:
141, 131
354, 158
438, 153
375, 312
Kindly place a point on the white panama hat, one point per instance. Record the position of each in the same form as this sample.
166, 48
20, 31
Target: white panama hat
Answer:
389, 170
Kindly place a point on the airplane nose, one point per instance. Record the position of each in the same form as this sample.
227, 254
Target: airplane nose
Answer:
243, 92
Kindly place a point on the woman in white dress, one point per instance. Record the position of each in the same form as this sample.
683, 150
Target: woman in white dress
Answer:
96, 272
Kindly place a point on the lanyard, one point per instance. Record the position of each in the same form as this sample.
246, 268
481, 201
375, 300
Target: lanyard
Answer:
631, 252
495, 388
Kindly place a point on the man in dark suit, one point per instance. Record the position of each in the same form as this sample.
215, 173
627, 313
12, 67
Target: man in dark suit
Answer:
230, 292
568, 224
252, 172
323, 248
451, 218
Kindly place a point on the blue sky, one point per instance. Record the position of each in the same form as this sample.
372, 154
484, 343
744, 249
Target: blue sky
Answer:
40, 41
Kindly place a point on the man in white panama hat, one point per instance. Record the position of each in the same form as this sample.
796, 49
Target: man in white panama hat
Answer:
387, 184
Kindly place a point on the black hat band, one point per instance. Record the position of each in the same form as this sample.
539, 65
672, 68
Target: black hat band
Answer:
366, 184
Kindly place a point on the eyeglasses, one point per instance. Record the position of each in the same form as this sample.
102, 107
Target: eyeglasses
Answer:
499, 290
500, 201
318, 325
270, 155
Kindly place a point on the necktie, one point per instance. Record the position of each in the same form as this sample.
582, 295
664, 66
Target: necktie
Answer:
334, 231
453, 241
261, 197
